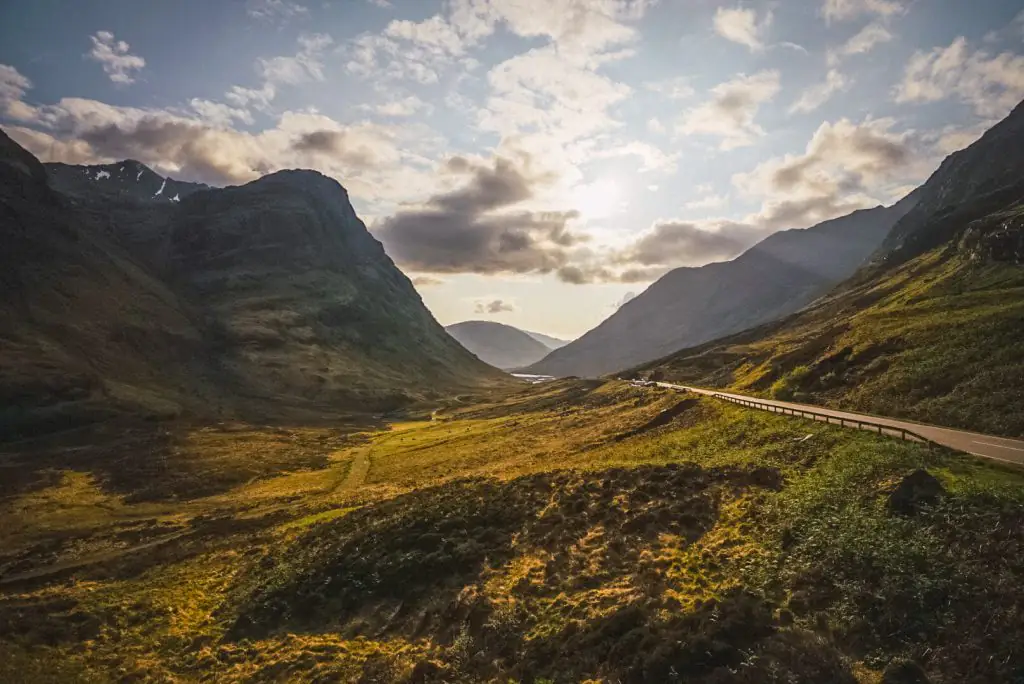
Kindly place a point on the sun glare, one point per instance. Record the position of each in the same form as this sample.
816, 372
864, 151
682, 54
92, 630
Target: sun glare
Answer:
598, 199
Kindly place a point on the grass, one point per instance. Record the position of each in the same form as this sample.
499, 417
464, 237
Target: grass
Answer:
574, 531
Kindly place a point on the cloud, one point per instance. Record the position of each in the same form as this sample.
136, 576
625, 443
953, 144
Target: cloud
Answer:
304, 67
119, 64
426, 281
819, 94
731, 111
13, 86
741, 26
844, 167
218, 113
690, 243
494, 306
991, 84
707, 202
275, 10
477, 227
841, 10
862, 42
407, 106
376, 162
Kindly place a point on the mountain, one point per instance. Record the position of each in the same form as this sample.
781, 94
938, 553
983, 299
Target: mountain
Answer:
547, 340
929, 330
262, 300
688, 306
124, 180
500, 345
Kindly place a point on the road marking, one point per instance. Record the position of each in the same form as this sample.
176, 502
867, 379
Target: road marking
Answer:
998, 446
993, 458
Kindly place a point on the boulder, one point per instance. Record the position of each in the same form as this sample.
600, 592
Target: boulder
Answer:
920, 488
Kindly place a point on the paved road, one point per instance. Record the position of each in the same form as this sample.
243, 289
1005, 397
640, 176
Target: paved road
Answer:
986, 446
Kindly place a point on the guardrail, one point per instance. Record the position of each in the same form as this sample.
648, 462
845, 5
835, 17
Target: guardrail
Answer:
859, 423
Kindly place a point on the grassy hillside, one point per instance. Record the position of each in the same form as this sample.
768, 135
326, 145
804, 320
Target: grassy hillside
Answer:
935, 339
578, 531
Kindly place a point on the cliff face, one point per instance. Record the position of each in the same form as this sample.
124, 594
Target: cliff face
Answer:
264, 299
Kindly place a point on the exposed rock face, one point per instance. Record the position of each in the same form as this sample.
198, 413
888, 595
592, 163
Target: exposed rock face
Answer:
970, 184
916, 490
500, 345
264, 298
689, 306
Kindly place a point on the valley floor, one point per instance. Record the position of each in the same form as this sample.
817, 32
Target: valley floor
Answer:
566, 532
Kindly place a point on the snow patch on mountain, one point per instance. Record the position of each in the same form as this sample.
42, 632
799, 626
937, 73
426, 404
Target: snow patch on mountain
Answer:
101, 174
161, 190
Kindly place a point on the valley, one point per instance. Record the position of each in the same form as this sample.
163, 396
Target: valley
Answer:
577, 530
236, 445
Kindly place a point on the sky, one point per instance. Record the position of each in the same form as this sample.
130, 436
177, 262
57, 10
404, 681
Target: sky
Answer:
534, 162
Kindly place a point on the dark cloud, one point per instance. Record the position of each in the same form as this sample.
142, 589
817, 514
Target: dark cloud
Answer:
685, 243
494, 306
337, 144
197, 150
459, 231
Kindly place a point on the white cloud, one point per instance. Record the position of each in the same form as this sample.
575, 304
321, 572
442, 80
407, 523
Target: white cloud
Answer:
841, 10
862, 42
305, 66
275, 10
845, 166
119, 64
819, 94
12, 89
406, 106
493, 306
378, 163
741, 26
731, 111
218, 113
991, 84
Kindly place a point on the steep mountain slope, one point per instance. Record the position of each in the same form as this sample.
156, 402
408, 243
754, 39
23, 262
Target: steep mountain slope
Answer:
688, 306
930, 330
547, 340
500, 345
263, 299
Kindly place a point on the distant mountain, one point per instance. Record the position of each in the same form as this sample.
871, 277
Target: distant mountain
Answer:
547, 340
500, 345
264, 300
688, 306
930, 329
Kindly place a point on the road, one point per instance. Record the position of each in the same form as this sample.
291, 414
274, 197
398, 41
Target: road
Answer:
985, 446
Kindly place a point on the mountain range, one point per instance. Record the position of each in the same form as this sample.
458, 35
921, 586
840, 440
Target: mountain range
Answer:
503, 346
929, 329
255, 300
688, 306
